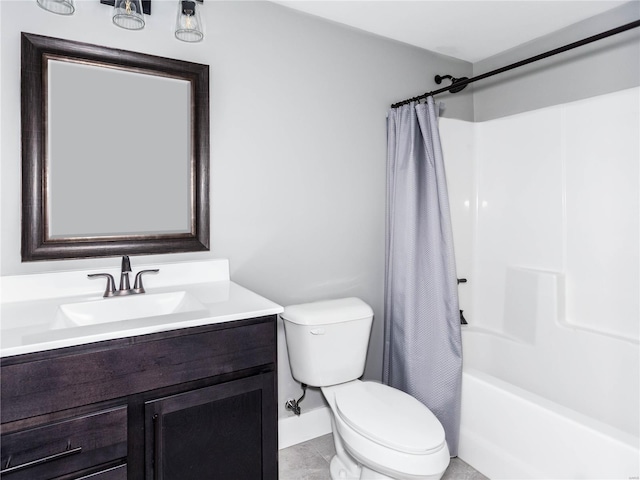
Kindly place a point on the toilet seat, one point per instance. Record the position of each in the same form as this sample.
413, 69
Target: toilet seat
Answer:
389, 417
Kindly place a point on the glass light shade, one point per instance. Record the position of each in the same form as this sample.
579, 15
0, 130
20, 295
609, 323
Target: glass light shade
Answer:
128, 14
188, 23
61, 7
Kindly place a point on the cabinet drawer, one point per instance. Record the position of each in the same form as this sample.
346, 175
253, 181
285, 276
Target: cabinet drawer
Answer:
64, 447
149, 362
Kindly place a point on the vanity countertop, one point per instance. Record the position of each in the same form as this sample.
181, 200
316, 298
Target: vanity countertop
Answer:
31, 318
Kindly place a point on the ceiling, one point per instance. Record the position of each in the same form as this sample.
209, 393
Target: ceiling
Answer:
470, 30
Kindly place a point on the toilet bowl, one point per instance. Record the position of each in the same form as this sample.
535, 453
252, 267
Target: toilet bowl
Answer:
379, 432
387, 431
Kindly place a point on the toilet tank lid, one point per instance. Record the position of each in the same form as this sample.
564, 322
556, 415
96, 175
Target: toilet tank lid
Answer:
327, 311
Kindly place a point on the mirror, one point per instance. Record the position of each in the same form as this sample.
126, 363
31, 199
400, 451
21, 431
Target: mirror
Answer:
115, 152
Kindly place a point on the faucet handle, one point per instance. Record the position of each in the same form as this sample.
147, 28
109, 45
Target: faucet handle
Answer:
111, 286
137, 285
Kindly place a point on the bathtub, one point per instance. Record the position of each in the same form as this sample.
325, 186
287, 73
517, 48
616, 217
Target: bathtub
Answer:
511, 432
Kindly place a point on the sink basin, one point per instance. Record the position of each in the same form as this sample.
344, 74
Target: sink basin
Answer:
116, 309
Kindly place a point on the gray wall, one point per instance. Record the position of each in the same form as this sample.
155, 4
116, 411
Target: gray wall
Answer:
602, 67
298, 144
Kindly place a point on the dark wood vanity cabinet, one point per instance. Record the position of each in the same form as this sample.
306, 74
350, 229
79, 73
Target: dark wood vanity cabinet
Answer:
197, 403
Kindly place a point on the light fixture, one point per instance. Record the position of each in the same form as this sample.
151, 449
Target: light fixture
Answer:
61, 7
188, 24
128, 14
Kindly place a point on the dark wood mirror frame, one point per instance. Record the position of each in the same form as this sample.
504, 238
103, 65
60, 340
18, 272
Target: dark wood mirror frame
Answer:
36, 50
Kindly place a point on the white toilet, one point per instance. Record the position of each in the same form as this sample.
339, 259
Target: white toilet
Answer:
380, 432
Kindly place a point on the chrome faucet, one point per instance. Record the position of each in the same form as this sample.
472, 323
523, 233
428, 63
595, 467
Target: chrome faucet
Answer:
125, 286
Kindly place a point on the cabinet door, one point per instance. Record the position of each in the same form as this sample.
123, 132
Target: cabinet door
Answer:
226, 431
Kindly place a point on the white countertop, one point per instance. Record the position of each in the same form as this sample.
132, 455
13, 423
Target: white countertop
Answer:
30, 305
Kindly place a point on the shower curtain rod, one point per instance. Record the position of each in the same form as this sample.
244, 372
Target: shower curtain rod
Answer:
462, 83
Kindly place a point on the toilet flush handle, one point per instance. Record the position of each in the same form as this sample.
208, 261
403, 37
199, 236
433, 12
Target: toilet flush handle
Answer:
317, 331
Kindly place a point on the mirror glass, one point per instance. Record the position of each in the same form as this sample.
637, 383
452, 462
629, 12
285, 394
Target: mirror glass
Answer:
115, 152
116, 173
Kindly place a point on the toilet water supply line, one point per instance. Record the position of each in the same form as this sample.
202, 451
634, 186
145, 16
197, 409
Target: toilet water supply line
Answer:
293, 404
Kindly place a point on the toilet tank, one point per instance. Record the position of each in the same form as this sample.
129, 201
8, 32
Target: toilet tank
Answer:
327, 341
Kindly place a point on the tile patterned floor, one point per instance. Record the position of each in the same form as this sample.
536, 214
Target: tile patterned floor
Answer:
310, 461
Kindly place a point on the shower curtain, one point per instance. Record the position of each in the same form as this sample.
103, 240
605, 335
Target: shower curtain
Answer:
422, 345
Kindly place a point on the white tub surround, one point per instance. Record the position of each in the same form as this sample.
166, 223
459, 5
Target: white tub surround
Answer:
592, 373
545, 219
31, 317
557, 432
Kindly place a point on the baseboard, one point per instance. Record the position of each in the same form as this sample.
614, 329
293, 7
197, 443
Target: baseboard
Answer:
297, 429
